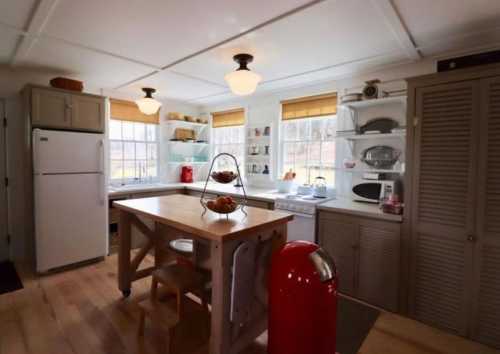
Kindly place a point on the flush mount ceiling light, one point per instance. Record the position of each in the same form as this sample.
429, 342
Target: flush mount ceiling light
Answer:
148, 105
243, 81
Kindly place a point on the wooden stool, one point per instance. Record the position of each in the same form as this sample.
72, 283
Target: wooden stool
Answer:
163, 319
179, 279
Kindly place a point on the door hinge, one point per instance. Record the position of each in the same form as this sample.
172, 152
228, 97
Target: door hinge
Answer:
5, 122
8, 239
415, 121
6, 181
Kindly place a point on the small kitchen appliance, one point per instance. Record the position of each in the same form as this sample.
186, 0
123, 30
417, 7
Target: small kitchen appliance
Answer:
372, 191
187, 174
302, 300
319, 188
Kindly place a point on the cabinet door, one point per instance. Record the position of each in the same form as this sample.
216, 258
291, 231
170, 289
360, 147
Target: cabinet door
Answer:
442, 208
87, 113
50, 109
378, 274
340, 240
486, 314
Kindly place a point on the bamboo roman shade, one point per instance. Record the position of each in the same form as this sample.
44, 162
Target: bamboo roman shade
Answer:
127, 110
312, 106
230, 118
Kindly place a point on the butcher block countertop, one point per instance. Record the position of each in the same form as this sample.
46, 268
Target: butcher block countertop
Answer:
185, 213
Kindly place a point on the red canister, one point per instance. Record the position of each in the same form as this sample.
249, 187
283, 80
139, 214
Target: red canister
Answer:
302, 300
187, 174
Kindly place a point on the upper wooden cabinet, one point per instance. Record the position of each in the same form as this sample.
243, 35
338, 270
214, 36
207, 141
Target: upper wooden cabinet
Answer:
54, 108
50, 109
87, 113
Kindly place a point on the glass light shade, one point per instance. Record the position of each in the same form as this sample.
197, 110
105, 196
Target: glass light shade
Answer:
148, 105
243, 82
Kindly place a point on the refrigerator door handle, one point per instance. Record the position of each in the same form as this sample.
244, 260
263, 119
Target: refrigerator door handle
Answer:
36, 151
102, 184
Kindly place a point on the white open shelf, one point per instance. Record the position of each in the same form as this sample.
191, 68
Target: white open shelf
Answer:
398, 134
188, 162
367, 170
374, 102
183, 143
186, 123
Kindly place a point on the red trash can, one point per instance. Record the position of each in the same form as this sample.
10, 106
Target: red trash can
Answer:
302, 300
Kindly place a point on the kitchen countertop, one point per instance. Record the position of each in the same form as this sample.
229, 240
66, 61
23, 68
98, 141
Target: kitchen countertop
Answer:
254, 193
343, 205
348, 206
114, 192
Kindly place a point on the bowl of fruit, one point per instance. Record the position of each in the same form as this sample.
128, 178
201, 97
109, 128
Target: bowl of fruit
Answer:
221, 205
224, 176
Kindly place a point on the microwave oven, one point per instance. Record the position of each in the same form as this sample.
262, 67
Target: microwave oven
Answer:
372, 191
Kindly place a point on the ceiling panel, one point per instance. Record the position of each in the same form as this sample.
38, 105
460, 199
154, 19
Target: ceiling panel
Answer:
93, 68
159, 32
327, 34
431, 20
8, 43
16, 12
462, 44
174, 86
312, 78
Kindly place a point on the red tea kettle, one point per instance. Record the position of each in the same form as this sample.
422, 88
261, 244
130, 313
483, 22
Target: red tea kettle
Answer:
187, 174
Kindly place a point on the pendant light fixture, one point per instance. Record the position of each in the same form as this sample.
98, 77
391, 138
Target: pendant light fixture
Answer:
148, 105
243, 81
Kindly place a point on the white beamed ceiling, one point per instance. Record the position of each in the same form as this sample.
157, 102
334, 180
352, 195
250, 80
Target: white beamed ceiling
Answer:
16, 12
315, 39
125, 45
454, 24
158, 31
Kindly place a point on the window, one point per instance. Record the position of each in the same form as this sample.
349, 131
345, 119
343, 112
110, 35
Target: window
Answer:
308, 148
232, 141
134, 152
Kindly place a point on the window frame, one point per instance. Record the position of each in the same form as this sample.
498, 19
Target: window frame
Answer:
135, 180
308, 142
241, 144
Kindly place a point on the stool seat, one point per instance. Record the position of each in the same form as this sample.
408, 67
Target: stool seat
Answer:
179, 276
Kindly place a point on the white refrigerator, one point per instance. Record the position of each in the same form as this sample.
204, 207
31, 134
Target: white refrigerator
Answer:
70, 198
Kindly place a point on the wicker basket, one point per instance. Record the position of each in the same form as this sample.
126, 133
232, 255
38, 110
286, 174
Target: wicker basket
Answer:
67, 84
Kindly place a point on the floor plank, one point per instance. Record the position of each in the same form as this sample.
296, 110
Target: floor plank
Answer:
81, 311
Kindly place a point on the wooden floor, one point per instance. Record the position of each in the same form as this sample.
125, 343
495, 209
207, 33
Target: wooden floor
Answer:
81, 311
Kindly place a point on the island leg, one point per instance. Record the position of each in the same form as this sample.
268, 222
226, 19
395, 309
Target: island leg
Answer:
125, 245
221, 298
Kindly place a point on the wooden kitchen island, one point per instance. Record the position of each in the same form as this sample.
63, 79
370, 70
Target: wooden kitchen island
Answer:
233, 325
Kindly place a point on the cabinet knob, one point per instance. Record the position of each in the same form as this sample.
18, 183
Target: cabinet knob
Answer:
471, 238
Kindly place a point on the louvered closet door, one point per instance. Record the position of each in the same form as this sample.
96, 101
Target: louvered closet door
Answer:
443, 208
486, 314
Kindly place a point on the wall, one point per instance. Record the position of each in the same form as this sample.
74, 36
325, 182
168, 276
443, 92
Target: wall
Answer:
22, 244
265, 107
